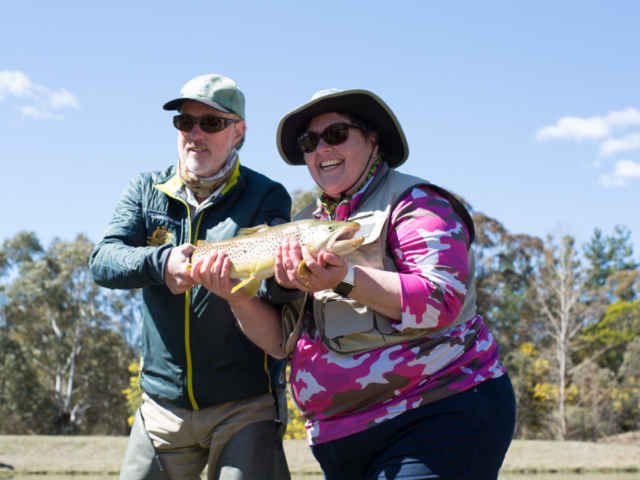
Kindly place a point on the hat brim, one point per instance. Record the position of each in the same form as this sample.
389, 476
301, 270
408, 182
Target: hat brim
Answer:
177, 103
360, 102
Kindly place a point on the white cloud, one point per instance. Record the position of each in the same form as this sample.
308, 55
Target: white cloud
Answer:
574, 128
614, 145
627, 169
623, 118
39, 113
623, 171
593, 128
40, 99
63, 98
14, 83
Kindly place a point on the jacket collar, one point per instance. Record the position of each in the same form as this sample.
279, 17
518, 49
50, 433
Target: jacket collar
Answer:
173, 183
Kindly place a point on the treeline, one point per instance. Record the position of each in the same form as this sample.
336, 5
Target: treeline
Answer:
566, 317
567, 320
65, 343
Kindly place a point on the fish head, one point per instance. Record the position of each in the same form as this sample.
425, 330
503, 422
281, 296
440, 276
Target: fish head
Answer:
333, 236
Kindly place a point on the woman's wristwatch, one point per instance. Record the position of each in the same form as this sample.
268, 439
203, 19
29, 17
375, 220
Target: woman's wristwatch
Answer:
346, 285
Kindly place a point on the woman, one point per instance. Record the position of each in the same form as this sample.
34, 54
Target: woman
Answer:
396, 374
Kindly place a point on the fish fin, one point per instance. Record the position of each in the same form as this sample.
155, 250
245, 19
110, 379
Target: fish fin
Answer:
252, 230
189, 267
202, 243
251, 286
303, 270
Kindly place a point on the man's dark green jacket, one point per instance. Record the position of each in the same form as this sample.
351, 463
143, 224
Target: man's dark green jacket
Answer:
194, 354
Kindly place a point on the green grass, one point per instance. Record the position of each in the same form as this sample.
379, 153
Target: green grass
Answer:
103, 455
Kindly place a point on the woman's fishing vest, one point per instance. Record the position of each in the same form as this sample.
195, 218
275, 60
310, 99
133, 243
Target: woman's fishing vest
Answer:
348, 327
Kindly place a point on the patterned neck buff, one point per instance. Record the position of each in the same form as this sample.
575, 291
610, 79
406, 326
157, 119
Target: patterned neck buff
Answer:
203, 187
342, 209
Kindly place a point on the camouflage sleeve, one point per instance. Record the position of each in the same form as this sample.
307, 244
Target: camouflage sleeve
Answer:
428, 242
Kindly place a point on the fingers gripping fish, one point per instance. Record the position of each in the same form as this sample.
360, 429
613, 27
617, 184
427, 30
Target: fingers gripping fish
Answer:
253, 251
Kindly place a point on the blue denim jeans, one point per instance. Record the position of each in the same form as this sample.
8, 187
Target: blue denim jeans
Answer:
462, 437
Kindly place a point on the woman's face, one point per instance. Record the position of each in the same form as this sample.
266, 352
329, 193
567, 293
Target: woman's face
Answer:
337, 167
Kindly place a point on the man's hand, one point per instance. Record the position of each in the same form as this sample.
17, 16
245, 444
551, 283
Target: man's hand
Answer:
176, 275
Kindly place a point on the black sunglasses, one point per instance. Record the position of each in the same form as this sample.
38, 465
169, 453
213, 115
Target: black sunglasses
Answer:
334, 135
208, 123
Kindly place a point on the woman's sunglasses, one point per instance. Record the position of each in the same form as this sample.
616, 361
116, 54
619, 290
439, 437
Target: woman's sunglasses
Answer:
208, 123
334, 135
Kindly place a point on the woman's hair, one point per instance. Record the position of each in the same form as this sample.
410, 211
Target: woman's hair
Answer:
365, 128
360, 122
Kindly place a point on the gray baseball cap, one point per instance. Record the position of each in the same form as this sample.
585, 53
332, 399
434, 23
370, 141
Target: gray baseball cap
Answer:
214, 91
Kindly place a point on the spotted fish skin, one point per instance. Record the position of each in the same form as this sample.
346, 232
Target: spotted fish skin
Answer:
253, 251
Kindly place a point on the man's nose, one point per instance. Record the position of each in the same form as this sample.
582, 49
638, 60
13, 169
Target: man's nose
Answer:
196, 132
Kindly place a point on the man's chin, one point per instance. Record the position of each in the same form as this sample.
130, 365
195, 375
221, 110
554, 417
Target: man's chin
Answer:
198, 166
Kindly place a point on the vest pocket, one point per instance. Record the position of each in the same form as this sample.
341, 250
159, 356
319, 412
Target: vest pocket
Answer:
345, 317
349, 328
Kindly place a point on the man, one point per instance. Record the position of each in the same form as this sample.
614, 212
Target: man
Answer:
206, 386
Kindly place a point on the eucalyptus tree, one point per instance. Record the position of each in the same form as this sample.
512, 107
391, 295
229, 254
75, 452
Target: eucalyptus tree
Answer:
506, 267
609, 255
560, 285
61, 320
301, 198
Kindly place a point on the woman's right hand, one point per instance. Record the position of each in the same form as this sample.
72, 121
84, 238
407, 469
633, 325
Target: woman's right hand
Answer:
325, 272
288, 258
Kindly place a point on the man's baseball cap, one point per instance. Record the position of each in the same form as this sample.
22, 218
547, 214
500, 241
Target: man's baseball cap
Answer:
214, 91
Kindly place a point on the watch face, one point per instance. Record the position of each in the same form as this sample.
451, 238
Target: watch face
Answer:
343, 289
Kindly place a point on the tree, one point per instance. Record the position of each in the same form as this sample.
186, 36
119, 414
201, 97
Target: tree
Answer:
559, 288
605, 342
529, 372
301, 198
75, 352
608, 256
627, 395
505, 267
18, 378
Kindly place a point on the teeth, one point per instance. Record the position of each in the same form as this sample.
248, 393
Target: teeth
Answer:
330, 163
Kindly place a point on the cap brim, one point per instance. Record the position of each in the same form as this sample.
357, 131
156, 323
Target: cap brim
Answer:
360, 102
177, 103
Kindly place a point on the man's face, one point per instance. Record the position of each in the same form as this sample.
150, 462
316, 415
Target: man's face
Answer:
206, 153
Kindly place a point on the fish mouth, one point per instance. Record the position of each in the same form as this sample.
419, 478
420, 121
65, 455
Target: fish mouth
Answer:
343, 240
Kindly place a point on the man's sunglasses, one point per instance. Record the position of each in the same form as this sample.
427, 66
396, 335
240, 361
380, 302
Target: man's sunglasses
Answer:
334, 135
208, 123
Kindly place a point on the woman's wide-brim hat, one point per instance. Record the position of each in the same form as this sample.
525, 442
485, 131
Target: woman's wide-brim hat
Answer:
363, 103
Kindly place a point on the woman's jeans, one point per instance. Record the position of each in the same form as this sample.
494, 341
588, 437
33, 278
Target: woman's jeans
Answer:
464, 436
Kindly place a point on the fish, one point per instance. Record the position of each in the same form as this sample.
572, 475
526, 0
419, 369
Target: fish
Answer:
253, 251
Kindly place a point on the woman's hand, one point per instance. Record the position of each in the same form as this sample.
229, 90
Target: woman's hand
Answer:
326, 272
213, 274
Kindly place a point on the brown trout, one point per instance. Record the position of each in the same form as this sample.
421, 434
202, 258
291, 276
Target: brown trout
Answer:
253, 251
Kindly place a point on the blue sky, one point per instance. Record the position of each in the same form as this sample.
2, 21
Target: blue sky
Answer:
530, 111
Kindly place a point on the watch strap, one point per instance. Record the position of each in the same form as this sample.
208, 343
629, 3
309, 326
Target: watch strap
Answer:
346, 285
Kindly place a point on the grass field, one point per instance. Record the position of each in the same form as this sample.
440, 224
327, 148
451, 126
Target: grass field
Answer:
103, 455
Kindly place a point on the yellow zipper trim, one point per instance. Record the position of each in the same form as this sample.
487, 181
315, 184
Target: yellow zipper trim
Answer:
266, 369
168, 188
188, 350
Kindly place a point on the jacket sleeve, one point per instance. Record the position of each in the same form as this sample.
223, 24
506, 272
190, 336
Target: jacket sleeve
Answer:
275, 207
121, 259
